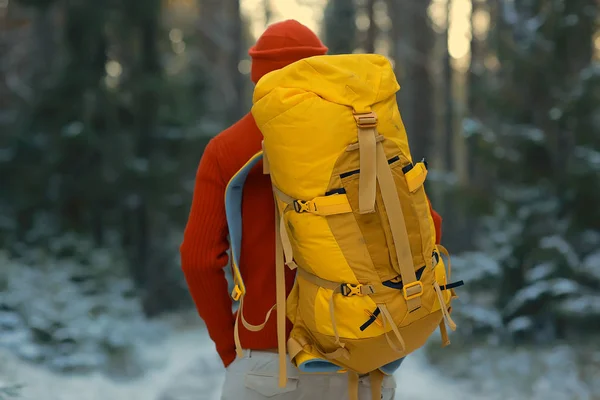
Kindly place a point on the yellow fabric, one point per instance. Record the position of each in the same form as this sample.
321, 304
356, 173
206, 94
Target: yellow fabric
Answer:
349, 312
265, 161
348, 216
315, 246
284, 109
412, 288
416, 177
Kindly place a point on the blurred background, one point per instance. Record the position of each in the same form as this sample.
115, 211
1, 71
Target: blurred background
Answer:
105, 109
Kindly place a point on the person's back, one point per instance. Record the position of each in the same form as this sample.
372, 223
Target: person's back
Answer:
203, 251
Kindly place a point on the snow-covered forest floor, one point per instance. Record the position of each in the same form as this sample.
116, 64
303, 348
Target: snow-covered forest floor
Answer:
184, 366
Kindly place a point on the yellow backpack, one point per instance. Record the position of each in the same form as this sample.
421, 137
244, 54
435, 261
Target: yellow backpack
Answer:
352, 217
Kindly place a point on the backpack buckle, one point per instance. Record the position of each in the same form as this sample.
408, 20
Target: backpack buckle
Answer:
301, 206
414, 293
349, 289
236, 293
366, 120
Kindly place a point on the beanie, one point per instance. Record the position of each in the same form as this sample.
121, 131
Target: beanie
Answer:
281, 44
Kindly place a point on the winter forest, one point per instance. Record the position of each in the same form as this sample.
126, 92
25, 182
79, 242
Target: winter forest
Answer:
106, 107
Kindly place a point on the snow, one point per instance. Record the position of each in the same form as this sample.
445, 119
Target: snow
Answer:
165, 361
555, 372
475, 266
585, 306
540, 271
591, 265
554, 287
186, 367
558, 243
590, 156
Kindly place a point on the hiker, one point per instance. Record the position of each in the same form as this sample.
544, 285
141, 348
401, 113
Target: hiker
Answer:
205, 245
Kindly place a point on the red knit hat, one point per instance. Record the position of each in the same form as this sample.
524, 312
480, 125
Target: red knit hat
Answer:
281, 44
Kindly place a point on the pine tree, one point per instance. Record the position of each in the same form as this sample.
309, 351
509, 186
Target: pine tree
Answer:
537, 140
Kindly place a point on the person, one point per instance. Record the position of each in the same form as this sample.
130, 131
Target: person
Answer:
205, 245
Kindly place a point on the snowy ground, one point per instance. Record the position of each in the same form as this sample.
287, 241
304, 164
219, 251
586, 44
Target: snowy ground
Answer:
185, 367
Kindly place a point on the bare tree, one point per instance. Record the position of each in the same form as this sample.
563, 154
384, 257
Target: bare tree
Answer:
372, 30
413, 40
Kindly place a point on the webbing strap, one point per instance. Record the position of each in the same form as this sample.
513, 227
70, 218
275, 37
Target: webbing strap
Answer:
320, 205
236, 334
444, 334
412, 288
376, 384
444, 251
367, 184
280, 300
324, 283
282, 196
247, 325
332, 316
324, 205
443, 307
387, 318
352, 385
281, 231
286, 244
355, 146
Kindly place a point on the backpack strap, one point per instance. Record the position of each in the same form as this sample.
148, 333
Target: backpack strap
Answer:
372, 151
352, 385
233, 212
367, 184
413, 288
376, 382
280, 296
376, 378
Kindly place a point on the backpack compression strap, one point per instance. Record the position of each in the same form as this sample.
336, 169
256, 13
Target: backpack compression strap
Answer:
372, 151
367, 184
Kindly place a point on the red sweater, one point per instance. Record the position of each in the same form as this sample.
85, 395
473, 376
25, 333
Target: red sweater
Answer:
204, 247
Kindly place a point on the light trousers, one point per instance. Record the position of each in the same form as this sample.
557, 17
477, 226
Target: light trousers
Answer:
255, 376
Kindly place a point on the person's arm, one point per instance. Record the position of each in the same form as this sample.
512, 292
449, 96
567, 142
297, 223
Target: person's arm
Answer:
437, 221
204, 253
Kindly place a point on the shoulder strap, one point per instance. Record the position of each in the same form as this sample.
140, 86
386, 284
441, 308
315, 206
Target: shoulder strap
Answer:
233, 212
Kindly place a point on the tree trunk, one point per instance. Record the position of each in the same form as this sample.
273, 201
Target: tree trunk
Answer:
268, 12
448, 99
401, 34
149, 69
422, 42
372, 31
239, 107
340, 26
